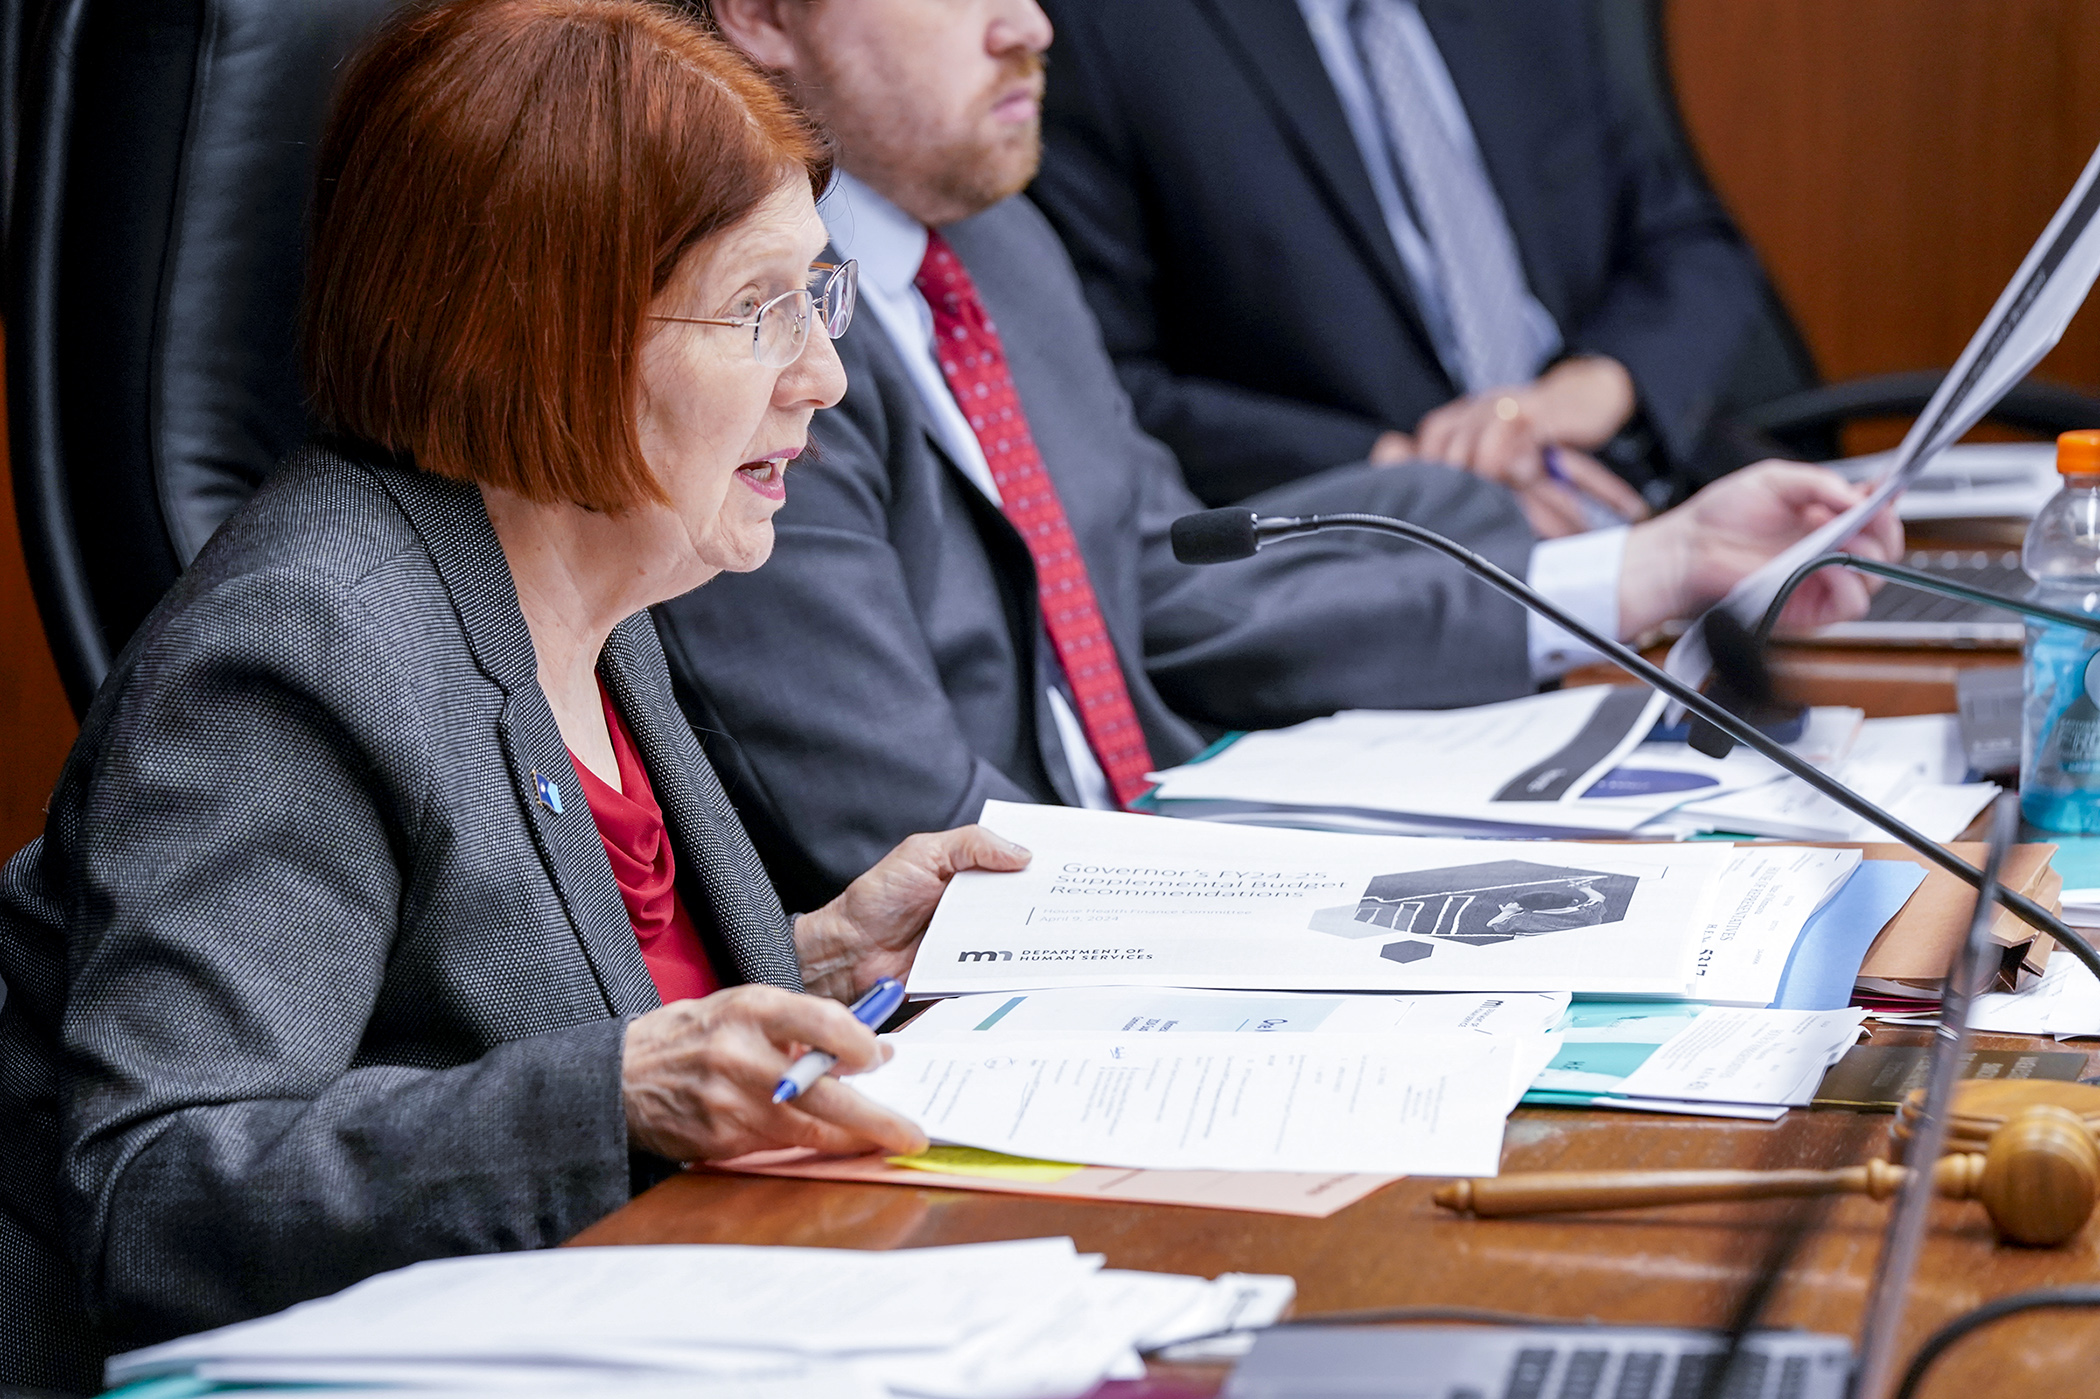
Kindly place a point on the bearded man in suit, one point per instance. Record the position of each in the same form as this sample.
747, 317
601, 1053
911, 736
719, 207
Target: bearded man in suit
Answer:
972, 594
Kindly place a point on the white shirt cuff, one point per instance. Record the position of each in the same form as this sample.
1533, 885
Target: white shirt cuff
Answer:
1580, 574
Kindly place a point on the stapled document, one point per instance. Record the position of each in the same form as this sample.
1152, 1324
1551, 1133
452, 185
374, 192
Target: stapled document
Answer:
1133, 900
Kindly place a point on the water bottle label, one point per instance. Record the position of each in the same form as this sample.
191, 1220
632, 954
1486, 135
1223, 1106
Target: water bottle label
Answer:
2078, 739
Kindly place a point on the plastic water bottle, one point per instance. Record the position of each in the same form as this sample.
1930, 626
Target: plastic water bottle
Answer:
2060, 720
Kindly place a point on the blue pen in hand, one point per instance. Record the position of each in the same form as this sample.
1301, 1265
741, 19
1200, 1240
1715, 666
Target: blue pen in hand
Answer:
1596, 513
871, 1010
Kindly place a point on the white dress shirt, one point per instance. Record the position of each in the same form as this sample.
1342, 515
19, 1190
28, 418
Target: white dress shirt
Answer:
1580, 573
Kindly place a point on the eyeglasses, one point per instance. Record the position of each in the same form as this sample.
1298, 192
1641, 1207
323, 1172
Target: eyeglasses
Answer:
780, 328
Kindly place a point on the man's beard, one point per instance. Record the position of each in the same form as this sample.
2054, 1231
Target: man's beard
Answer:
936, 181
975, 175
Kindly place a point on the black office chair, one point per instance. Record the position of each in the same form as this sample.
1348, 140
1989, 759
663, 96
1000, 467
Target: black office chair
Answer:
1777, 403
19, 22
153, 288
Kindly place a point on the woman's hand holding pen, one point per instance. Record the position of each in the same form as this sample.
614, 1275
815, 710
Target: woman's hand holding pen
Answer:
698, 1077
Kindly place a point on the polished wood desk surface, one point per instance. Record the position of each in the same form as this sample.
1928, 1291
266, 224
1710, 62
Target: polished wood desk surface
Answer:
1684, 1265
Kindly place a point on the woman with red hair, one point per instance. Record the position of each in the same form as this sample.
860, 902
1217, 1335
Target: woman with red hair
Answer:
388, 908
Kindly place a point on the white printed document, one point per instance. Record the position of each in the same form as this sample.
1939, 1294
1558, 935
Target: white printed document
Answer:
1658, 778
2063, 1001
1417, 1105
1027, 1319
1115, 899
1747, 1056
1527, 1019
1522, 762
1765, 897
1113, 1010
1911, 766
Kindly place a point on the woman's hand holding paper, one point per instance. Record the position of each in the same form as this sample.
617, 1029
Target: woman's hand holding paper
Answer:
872, 930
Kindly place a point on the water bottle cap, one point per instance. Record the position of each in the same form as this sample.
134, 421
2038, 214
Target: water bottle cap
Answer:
2078, 453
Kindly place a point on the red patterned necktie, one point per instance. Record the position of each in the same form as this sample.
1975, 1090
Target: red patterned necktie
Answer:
974, 364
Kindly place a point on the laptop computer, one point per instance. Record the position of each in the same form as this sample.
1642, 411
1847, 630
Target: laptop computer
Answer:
1497, 1362
1902, 616
1312, 1361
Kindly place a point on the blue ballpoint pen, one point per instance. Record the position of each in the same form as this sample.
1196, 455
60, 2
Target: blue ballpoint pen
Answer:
1598, 514
871, 1010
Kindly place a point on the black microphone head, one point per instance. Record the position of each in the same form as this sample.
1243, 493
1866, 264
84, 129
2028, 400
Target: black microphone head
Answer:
1215, 536
1739, 663
1742, 685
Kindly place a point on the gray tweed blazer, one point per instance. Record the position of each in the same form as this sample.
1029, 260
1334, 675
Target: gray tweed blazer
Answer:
306, 981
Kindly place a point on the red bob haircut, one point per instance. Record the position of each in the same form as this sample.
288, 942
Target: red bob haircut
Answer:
504, 188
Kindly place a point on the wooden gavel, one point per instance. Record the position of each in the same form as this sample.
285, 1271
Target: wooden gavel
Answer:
2037, 1179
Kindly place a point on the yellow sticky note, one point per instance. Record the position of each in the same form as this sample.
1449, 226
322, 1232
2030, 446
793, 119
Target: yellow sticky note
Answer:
971, 1161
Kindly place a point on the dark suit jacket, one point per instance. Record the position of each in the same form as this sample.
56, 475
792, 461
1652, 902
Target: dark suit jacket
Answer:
306, 983
883, 673
1199, 166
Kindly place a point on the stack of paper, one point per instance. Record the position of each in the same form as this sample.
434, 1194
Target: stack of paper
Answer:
1912, 767
2063, 1001
1516, 768
1572, 764
1660, 777
979, 1321
1305, 1194
1709, 1060
2082, 907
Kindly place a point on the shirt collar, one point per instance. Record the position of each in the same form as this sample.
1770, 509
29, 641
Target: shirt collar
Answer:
888, 243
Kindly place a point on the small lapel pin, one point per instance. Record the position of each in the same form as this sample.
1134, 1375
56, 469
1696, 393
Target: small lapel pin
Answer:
550, 795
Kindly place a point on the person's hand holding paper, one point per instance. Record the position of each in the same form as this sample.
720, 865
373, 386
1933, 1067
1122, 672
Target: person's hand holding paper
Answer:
872, 929
1692, 556
2028, 318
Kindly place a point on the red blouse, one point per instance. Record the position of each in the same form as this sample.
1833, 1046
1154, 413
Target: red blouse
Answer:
632, 826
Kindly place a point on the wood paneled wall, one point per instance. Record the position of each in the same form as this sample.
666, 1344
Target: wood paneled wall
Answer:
1893, 160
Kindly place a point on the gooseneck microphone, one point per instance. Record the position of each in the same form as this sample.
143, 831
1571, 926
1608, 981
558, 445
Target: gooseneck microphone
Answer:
1221, 536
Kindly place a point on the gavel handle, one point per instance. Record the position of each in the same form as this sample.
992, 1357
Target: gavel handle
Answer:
1553, 1192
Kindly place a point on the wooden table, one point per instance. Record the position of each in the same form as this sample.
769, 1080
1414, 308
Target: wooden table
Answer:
1884, 681
1685, 1265
1681, 1266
